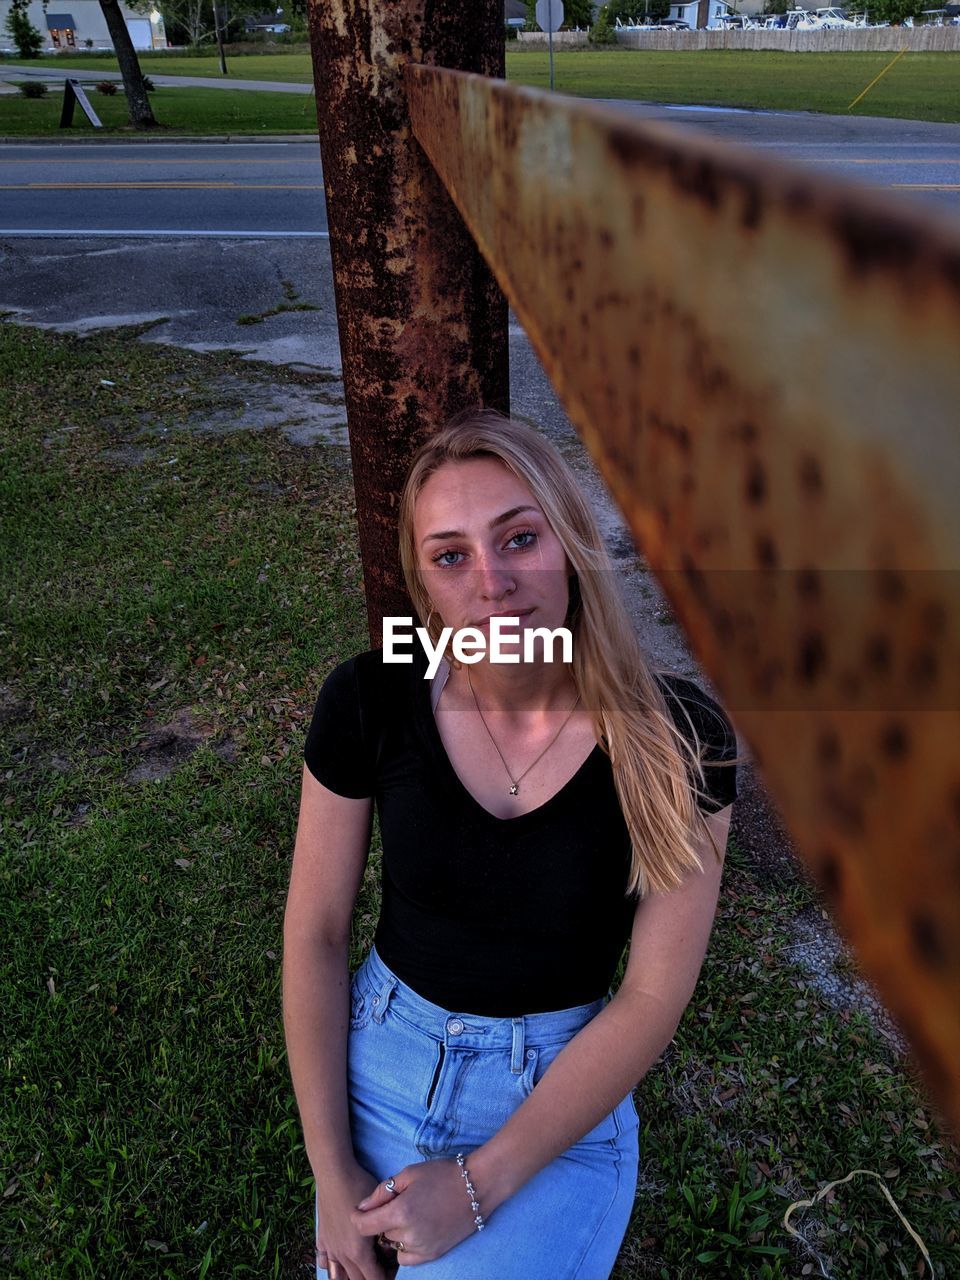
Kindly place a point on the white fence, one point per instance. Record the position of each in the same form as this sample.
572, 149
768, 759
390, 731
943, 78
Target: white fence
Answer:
852, 40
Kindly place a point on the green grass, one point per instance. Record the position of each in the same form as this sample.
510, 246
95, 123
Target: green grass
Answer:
294, 67
153, 571
922, 86
179, 111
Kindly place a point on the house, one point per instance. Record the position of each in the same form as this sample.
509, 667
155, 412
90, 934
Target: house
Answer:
80, 24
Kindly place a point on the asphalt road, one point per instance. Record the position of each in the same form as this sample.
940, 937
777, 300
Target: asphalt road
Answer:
160, 189
275, 188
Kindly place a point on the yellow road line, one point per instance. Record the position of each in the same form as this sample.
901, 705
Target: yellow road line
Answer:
213, 164
846, 160
161, 186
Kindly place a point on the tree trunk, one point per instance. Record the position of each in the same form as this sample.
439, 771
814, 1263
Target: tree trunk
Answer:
141, 113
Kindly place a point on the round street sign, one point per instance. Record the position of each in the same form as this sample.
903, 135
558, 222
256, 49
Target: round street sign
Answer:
549, 15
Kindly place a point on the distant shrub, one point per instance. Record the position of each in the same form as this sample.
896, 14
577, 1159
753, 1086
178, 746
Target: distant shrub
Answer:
33, 89
107, 87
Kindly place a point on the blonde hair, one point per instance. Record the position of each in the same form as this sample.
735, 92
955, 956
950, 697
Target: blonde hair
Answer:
657, 772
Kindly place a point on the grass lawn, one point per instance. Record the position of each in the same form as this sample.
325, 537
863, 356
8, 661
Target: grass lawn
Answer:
180, 111
174, 597
293, 67
922, 86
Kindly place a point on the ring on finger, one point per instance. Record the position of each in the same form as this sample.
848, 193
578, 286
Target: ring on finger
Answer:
391, 1186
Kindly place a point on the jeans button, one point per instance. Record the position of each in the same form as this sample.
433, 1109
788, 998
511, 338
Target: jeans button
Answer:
455, 1026
376, 1000
531, 1053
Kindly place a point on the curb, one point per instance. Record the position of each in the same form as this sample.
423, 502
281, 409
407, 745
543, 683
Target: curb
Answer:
152, 139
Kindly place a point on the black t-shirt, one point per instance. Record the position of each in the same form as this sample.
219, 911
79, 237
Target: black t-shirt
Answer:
492, 916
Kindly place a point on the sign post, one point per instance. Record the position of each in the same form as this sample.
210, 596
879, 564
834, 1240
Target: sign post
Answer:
72, 94
550, 19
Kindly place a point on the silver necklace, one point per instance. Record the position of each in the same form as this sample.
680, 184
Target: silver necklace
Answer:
515, 782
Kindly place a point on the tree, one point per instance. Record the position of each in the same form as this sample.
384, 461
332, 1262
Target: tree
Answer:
602, 31
576, 13
629, 11
894, 11
138, 104
25, 36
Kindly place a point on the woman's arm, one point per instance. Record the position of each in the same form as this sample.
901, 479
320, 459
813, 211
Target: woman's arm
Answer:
612, 1053
589, 1077
333, 840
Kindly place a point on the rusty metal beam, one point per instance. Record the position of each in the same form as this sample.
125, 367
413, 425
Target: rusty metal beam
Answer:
764, 365
423, 326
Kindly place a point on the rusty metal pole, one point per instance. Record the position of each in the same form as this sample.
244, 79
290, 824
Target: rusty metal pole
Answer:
423, 324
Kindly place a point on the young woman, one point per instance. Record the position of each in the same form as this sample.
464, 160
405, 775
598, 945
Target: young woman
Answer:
466, 1097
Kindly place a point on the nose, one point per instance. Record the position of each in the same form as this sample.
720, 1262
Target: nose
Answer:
494, 581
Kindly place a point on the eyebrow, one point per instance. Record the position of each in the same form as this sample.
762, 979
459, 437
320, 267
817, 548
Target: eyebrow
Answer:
494, 523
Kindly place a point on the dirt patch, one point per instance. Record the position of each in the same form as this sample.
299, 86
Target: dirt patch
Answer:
13, 708
166, 746
126, 456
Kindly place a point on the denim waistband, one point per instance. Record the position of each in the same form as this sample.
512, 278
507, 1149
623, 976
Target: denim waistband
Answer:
467, 1030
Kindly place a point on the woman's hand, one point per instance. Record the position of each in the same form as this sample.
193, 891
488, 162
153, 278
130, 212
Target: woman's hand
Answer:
428, 1213
338, 1240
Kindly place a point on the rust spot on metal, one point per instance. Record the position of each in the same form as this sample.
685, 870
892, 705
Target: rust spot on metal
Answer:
811, 657
831, 873
927, 942
894, 741
890, 586
922, 668
877, 653
756, 487
766, 550
811, 474
809, 586
872, 243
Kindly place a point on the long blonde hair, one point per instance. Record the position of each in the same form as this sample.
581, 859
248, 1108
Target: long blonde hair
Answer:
657, 772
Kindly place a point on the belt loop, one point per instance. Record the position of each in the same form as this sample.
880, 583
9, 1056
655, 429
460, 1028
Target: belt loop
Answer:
516, 1054
382, 999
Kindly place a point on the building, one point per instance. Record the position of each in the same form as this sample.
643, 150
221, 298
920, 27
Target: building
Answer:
80, 24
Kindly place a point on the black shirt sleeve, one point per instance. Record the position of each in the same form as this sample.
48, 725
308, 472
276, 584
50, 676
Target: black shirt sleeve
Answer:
336, 750
718, 741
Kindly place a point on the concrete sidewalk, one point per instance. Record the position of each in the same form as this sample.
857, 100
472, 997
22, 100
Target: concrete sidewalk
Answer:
52, 75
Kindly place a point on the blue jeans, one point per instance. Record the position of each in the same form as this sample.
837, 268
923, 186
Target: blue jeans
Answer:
425, 1083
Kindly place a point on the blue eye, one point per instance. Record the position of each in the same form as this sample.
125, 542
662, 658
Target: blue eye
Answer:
441, 558
528, 534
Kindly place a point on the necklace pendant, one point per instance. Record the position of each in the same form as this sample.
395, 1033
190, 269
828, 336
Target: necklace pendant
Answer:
515, 788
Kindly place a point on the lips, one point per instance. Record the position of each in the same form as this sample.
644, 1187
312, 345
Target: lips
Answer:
510, 613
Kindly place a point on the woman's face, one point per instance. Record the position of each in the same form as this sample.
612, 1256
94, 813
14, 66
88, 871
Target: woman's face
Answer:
484, 547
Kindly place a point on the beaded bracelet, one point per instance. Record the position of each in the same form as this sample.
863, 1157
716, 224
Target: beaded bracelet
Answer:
465, 1175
